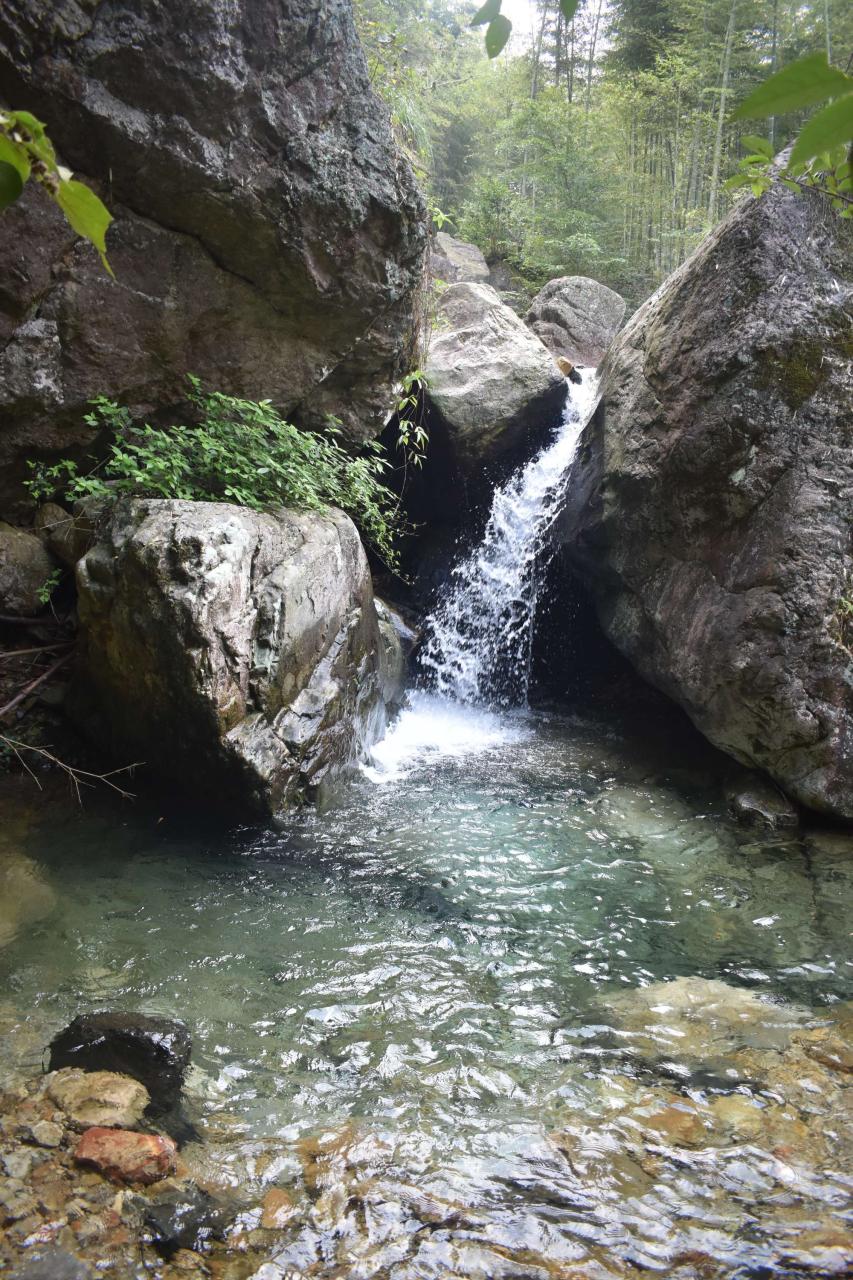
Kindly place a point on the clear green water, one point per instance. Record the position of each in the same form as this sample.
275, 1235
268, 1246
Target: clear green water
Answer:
424, 968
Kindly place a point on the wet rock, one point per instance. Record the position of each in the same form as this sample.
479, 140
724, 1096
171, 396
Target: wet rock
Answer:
44, 1133
756, 803
577, 318
457, 261
25, 567
277, 1209
489, 378
731, 387
97, 1098
398, 643
236, 650
52, 1264
185, 1218
268, 233
830, 1051
154, 1051
702, 1019
126, 1156
679, 1123
17, 1163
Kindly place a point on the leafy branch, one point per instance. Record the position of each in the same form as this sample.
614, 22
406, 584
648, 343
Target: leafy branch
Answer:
27, 153
819, 158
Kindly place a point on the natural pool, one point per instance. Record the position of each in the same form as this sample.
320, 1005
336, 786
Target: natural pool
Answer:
431, 1010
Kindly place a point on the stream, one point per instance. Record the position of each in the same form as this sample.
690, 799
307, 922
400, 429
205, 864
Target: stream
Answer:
434, 1009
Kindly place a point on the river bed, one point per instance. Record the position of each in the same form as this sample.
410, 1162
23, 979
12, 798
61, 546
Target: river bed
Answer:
433, 1012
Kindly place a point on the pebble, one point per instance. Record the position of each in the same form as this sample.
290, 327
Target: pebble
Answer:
45, 1133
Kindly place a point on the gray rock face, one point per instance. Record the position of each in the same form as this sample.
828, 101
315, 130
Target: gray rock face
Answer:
236, 653
268, 236
25, 567
490, 379
712, 504
457, 261
577, 318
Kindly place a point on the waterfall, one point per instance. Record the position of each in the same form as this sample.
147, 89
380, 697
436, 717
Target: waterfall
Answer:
479, 638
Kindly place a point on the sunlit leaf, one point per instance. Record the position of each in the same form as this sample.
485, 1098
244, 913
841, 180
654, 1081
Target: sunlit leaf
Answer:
14, 155
831, 126
498, 32
87, 215
568, 8
762, 145
11, 184
801, 84
488, 13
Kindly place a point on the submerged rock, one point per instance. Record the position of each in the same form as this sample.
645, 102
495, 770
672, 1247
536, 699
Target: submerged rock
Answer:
25, 895
713, 495
154, 1051
489, 378
577, 318
126, 1156
757, 803
701, 1019
237, 654
100, 1098
268, 234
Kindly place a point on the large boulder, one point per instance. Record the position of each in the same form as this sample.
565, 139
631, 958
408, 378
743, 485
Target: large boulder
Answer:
490, 379
713, 497
25, 567
577, 318
455, 261
236, 653
269, 236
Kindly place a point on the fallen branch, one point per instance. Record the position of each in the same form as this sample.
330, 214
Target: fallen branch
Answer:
10, 706
41, 648
78, 777
14, 621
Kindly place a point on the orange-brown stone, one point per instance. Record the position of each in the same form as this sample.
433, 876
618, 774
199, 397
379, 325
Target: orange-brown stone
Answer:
125, 1155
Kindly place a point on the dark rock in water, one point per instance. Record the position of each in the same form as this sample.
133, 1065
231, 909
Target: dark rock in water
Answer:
184, 1218
712, 498
52, 1264
154, 1051
757, 803
268, 234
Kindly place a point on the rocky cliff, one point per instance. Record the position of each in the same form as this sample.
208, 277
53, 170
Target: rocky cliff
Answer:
268, 235
713, 499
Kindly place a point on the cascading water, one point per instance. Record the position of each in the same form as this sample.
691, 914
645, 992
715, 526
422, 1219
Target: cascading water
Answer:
480, 637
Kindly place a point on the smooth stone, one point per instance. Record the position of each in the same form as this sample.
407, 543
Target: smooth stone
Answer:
45, 1133
577, 318
25, 567
98, 1098
126, 1156
185, 1218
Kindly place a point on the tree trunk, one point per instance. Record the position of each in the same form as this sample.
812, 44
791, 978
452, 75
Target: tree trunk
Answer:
714, 192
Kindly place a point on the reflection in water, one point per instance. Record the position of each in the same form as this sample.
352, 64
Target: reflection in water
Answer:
435, 1011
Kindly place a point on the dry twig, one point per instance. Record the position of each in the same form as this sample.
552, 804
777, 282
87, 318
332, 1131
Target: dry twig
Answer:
78, 777
24, 693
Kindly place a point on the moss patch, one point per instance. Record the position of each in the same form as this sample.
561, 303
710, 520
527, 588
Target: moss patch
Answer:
795, 373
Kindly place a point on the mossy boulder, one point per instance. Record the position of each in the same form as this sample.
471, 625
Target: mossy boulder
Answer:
712, 503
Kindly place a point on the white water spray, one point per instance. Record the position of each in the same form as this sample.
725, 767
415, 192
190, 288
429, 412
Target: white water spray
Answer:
480, 636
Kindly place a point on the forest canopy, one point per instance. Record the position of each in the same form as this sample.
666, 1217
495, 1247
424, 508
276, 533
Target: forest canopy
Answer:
599, 146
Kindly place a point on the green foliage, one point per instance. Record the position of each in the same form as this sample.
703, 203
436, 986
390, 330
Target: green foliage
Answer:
26, 152
802, 84
240, 451
412, 435
49, 585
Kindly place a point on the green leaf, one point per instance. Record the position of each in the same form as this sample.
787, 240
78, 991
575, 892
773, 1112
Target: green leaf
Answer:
739, 180
803, 83
831, 126
763, 145
11, 184
488, 13
87, 215
498, 32
568, 8
14, 155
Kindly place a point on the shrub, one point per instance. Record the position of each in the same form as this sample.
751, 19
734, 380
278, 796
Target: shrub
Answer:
240, 451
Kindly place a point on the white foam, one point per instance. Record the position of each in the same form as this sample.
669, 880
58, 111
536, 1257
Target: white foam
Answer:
429, 728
